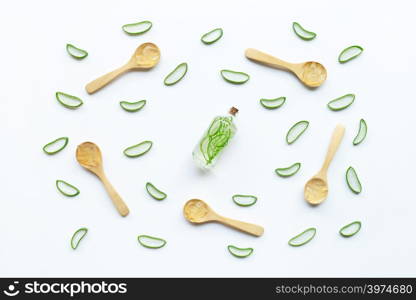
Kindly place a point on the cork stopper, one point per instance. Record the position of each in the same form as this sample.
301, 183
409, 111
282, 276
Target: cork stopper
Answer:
233, 111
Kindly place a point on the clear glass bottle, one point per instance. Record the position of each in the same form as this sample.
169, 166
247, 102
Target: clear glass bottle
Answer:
214, 140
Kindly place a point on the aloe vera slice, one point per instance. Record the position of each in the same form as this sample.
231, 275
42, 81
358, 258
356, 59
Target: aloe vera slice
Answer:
353, 181
302, 32
303, 238
273, 103
244, 200
55, 146
69, 101
132, 106
289, 171
155, 192
76, 52
78, 236
139, 149
362, 133
66, 188
151, 241
137, 28
234, 76
240, 252
212, 36
342, 102
176, 75
296, 131
350, 53
350, 229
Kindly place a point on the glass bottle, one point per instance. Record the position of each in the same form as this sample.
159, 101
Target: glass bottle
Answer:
214, 140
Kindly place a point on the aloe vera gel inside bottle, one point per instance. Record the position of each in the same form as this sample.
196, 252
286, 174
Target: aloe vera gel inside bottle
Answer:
214, 140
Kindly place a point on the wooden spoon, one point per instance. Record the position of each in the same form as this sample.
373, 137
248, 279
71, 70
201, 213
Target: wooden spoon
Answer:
316, 189
310, 73
147, 56
89, 156
197, 211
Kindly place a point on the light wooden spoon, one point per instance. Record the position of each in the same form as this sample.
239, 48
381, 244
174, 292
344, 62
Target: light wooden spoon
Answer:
316, 189
147, 56
310, 73
89, 156
197, 211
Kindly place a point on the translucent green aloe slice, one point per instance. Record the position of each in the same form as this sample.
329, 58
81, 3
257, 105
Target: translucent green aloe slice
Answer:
76, 52
353, 181
155, 192
240, 252
302, 32
55, 146
342, 102
244, 200
177, 74
69, 101
303, 238
212, 36
273, 103
296, 131
289, 171
139, 149
151, 241
350, 53
234, 76
77, 237
66, 188
362, 133
350, 229
132, 106
137, 28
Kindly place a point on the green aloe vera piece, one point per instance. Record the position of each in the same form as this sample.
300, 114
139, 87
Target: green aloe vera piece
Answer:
139, 149
350, 229
151, 242
296, 131
212, 36
240, 252
234, 76
361, 134
56, 145
353, 181
302, 32
132, 106
137, 28
303, 237
350, 53
273, 103
155, 192
288, 171
78, 236
176, 75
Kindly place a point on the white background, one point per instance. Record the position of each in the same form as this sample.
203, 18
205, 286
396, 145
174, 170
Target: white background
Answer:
36, 222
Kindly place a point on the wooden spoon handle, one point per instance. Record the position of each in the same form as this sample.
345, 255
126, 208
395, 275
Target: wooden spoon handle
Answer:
242, 226
115, 197
336, 139
102, 81
267, 59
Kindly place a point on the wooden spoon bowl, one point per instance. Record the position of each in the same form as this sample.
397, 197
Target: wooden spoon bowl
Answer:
147, 56
89, 156
197, 211
316, 190
312, 73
